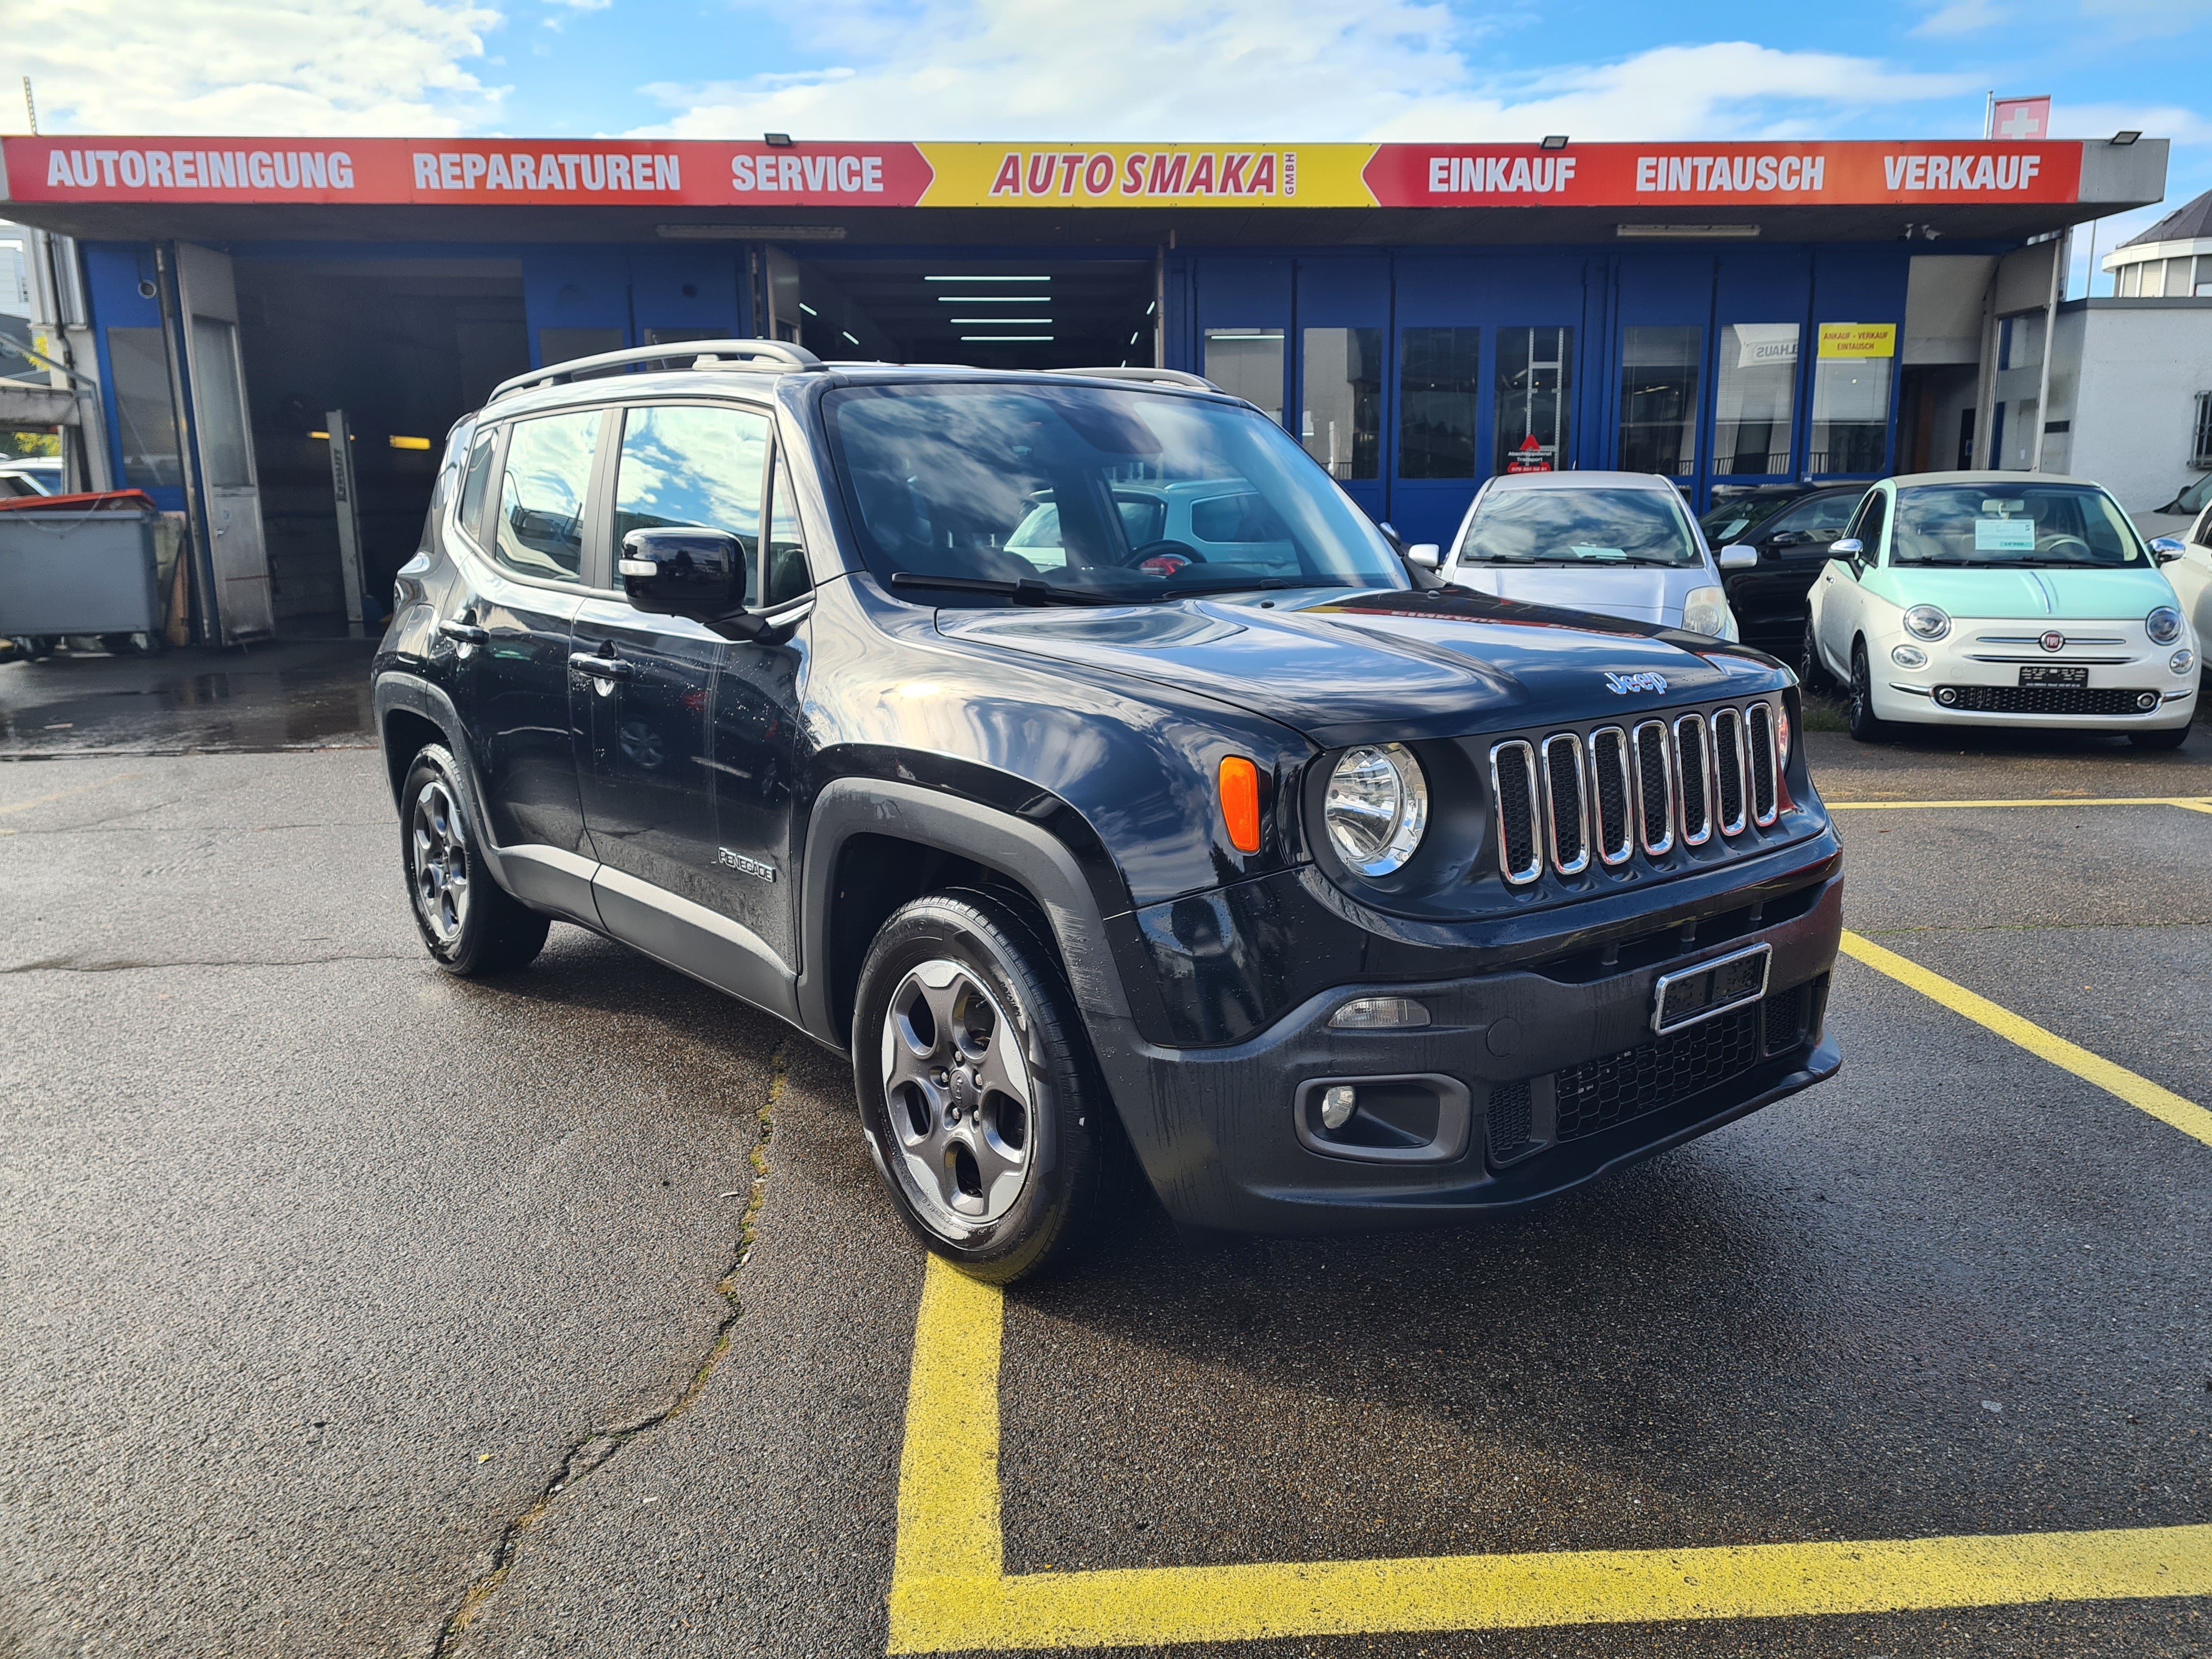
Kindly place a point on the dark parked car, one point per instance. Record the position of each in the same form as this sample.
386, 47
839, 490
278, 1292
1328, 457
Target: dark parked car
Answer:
1790, 526
1345, 900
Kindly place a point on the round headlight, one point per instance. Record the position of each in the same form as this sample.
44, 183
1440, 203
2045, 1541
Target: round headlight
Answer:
2163, 625
1377, 808
1925, 622
1908, 656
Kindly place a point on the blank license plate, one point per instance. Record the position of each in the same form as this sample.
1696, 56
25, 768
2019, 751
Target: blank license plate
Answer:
2040, 675
1710, 987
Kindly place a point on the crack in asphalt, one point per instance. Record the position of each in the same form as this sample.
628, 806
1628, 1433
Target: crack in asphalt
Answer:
587, 1456
71, 965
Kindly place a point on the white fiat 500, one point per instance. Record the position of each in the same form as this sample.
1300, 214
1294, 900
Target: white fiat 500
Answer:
2001, 599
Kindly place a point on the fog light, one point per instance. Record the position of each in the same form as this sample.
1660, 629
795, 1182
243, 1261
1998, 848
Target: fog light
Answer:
2182, 661
1378, 1014
1908, 656
1336, 1105
1945, 695
2146, 701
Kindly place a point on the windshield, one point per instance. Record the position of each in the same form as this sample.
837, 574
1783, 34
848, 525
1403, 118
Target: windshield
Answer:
1726, 520
1579, 526
1987, 524
1076, 494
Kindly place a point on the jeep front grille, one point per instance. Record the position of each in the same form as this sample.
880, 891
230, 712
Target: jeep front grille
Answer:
1513, 786
1728, 768
1651, 786
1615, 814
1765, 763
1564, 813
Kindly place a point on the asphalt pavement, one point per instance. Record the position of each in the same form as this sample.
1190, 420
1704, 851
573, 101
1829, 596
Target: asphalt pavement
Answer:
354, 1311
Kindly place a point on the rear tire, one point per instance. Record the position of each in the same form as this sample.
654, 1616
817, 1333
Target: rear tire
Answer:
1812, 673
1866, 725
471, 925
977, 1088
2172, 739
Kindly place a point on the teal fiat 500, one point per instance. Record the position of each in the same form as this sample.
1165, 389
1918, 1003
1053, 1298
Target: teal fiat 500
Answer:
2001, 599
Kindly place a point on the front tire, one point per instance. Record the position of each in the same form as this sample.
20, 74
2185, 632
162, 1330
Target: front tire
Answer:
471, 925
977, 1090
1812, 673
1866, 725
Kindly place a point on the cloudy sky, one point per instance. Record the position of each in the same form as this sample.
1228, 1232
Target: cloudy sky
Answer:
1191, 70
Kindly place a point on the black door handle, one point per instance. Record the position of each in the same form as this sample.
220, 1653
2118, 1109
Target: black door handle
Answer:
466, 633
602, 668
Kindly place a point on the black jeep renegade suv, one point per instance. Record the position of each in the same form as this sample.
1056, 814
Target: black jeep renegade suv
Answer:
1071, 750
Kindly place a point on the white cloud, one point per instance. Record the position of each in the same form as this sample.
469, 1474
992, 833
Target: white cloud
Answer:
1962, 17
1235, 68
233, 66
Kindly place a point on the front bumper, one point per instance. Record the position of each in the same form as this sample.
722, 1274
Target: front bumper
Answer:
1558, 1075
1977, 665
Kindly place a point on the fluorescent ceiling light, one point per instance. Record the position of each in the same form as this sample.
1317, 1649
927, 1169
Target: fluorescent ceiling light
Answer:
1004, 338
841, 332
987, 279
1725, 232
998, 320
808, 309
1149, 310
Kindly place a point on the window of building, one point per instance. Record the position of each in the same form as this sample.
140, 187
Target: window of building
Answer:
1850, 403
1659, 400
2200, 444
1341, 413
145, 416
1535, 380
541, 496
219, 404
694, 466
1247, 363
2202, 289
1754, 397
1439, 400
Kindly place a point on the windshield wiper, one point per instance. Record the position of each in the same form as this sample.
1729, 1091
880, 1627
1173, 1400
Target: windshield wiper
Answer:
1027, 590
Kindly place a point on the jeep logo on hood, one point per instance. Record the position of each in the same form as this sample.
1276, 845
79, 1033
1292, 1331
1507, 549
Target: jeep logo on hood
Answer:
1621, 685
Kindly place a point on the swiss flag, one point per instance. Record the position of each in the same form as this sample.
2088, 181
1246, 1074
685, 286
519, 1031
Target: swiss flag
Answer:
2020, 118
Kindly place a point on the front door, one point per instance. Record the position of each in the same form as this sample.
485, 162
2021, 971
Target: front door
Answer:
1343, 310
223, 431
657, 750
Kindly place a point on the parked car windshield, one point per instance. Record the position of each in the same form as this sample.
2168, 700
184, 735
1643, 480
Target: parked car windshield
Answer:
2007, 523
1082, 495
1596, 526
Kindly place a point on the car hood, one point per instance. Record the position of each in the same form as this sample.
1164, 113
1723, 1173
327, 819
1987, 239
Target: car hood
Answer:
2032, 595
1364, 666
1639, 593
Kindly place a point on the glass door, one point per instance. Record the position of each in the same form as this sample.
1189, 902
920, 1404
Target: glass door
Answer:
1343, 314
222, 434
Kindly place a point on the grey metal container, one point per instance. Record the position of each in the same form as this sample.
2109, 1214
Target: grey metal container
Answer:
68, 570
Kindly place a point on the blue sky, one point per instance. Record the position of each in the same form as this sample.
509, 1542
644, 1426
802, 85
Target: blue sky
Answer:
1289, 70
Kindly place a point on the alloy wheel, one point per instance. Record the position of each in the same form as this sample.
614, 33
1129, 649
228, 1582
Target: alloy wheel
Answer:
958, 1098
438, 861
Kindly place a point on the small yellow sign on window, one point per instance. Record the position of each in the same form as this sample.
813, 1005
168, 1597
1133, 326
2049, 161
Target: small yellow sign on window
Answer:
1858, 339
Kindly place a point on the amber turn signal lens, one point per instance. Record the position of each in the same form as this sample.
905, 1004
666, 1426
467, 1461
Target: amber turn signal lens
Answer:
1240, 803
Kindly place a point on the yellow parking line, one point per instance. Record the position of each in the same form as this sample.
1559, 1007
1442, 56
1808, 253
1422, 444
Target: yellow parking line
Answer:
2194, 803
950, 1592
2163, 1104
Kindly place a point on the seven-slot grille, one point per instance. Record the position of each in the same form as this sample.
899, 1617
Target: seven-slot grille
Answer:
1559, 798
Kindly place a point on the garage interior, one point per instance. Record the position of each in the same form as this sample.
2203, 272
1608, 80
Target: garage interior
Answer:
405, 347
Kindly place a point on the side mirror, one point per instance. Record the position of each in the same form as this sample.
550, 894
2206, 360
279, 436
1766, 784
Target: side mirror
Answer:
700, 573
1427, 554
2166, 548
1738, 557
1390, 535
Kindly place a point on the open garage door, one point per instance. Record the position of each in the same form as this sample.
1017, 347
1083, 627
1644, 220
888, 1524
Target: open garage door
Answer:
994, 314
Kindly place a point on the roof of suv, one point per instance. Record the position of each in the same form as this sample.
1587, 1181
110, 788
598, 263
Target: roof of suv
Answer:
1581, 481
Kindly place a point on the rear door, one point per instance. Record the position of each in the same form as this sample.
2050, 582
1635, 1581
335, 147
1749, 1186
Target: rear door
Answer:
223, 431
525, 590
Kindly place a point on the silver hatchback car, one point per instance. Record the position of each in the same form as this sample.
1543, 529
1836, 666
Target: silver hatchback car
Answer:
1620, 543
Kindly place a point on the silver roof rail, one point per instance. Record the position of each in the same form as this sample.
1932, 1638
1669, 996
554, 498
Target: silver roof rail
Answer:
773, 354
1154, 376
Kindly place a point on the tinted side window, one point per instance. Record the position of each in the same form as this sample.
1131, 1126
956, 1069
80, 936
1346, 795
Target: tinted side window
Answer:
787, 575
694, 466
1867, 526
541, 496
473, 482
1824, 517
